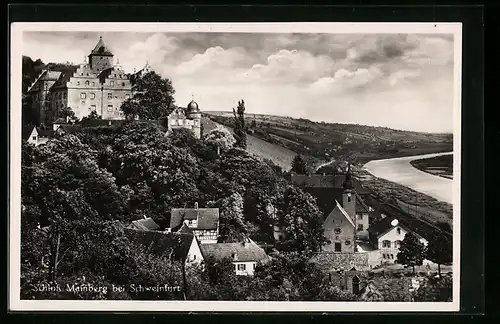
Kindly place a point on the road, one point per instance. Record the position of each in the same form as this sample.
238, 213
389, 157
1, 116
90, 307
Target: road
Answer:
399, 170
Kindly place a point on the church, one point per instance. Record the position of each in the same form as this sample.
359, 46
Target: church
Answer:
99, 84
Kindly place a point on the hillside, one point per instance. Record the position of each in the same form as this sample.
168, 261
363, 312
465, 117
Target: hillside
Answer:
357, 143
280, 155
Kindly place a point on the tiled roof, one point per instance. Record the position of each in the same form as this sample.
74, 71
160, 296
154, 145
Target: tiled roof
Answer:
59, 121
339, 210
184, 229
172, 245
242, 252
69, 128
48, 133
330, 261
101, 49
208, 218
146, 224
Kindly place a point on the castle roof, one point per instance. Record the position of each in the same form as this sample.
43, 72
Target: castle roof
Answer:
101, 49
192, 107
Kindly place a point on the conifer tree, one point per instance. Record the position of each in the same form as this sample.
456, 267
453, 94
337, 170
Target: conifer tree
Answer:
439, 251
299, 165
239, 125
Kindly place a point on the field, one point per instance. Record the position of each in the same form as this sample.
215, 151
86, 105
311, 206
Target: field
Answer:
440, 165
323, 141
278, 154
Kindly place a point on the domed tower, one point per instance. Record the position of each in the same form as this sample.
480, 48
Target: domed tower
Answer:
193, 113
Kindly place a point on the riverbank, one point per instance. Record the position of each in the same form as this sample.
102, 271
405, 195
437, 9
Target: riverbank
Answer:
441, 166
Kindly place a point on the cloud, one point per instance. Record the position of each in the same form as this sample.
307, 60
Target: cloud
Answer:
356, 78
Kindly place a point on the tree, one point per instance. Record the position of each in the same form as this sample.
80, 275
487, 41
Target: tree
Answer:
303, 221
67, 113
240, 129
153, 98
232, 227
412, 251
220, 137
253, 124
299, 165
92, 116
439, 250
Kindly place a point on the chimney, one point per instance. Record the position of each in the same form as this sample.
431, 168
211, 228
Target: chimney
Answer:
144, 216
109, 123
196, 205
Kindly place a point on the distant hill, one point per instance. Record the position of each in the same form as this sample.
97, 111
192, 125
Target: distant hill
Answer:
323, 141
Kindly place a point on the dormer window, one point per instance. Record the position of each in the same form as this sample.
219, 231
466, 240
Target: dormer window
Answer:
398, 230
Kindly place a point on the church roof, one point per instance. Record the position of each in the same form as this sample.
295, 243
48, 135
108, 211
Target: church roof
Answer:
101, 49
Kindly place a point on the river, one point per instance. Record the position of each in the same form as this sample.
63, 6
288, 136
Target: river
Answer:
399, 170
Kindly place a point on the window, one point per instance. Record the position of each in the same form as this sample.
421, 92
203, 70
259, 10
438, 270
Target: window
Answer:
398, 230
338, 247
120, 75
360, 227
392, 256
280, 238
337, 230
360, 216
349, 198
397, 244
110, 107
34, 137
180, 121
242, 267
254, 266
383, 256
83, 95
110, 96
194, 257
112, 83
93, 83
347, 242
92, 96
77, 82
234, 267
123, 84
87, 82
172, 122
115, 75
87, 74
386, 244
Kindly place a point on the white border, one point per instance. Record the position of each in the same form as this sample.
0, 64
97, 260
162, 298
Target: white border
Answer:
15, 304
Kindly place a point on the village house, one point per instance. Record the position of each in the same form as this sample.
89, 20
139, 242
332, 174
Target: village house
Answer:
36, 135
245, 255
204, 222
145, 224
386, 236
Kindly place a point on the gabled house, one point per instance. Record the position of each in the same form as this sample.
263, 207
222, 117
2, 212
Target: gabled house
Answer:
145, 224
175, 246
340, 231
204, 222
36, 135
387, 235
245, 255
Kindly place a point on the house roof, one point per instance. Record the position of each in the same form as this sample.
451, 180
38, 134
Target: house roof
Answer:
59, 121
101, 49
27, 131
172, 245
146, 224
48, 133
244, 252
70, 128
384, 225
330, 261
326, 181
66, 74
184, 229
361, 206
208, 218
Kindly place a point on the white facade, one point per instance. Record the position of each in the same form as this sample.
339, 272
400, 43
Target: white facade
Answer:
362, 224
390, 241
244, 268
194, 255
36, 139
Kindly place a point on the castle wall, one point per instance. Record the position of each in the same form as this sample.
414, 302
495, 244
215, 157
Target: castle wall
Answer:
99, 63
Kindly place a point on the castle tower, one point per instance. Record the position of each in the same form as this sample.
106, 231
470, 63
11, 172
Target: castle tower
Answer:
193, 113
101, 57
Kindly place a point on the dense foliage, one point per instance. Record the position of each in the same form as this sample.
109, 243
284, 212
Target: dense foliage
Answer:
240, 128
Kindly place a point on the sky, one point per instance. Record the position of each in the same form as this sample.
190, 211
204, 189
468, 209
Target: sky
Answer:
401, 81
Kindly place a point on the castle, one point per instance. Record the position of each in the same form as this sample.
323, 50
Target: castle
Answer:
98, 85
188, 118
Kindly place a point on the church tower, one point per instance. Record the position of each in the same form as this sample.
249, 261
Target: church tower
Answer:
101, 57
193, 113
349, 196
